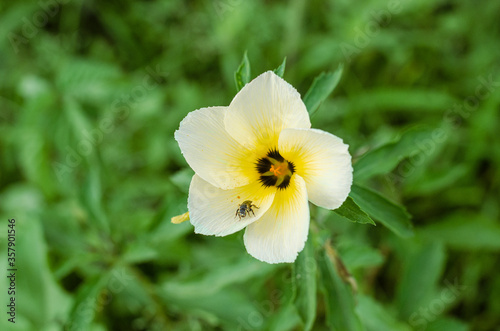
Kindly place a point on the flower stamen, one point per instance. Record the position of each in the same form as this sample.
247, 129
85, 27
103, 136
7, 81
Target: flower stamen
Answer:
274, 170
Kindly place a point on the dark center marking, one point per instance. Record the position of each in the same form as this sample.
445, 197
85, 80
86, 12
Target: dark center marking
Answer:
274, 170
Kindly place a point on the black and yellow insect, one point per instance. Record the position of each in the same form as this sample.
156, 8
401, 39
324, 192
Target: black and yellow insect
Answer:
245, 208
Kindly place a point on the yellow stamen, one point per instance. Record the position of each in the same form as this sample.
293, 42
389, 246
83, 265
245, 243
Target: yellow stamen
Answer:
180, 218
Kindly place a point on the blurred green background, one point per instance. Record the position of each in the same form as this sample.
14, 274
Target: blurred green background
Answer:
92, 91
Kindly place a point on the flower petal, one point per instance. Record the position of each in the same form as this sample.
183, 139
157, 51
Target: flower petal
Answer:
324, 162
211, 152
212, 211
280, 234
263, 108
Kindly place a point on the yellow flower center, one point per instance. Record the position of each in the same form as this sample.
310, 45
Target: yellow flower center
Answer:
274, 170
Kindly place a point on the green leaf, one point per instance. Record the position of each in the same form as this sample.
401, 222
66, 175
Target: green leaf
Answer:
280, 71
33, 140
322, 86
391, 215
88, 303
231, 307
86, 79
385, 158
242, 75
139, 252
356, 255
455, 231
217, 279
437, 180
77, 120
39, 298
447, 324
339, 298
92, 198
420, 275
376, 317
305, 278
285, 319
353, 213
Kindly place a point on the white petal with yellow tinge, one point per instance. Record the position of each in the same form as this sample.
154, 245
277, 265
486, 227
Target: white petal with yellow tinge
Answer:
323, 160
280, 234
212, 211
211, 152
263, 108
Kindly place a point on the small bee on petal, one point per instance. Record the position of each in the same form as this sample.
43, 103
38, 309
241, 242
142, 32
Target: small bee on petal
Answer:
245, 208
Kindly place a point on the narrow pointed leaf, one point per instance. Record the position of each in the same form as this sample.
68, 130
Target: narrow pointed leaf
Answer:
322, 86
280, 71
419, 280
385, 158
305, 278
353, 212
92, 198
391, 215
242, 75
339, 298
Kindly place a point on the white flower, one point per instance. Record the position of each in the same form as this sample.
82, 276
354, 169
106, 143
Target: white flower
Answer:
261, 149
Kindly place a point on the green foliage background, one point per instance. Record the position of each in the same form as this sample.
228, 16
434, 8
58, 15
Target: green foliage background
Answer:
92, 91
